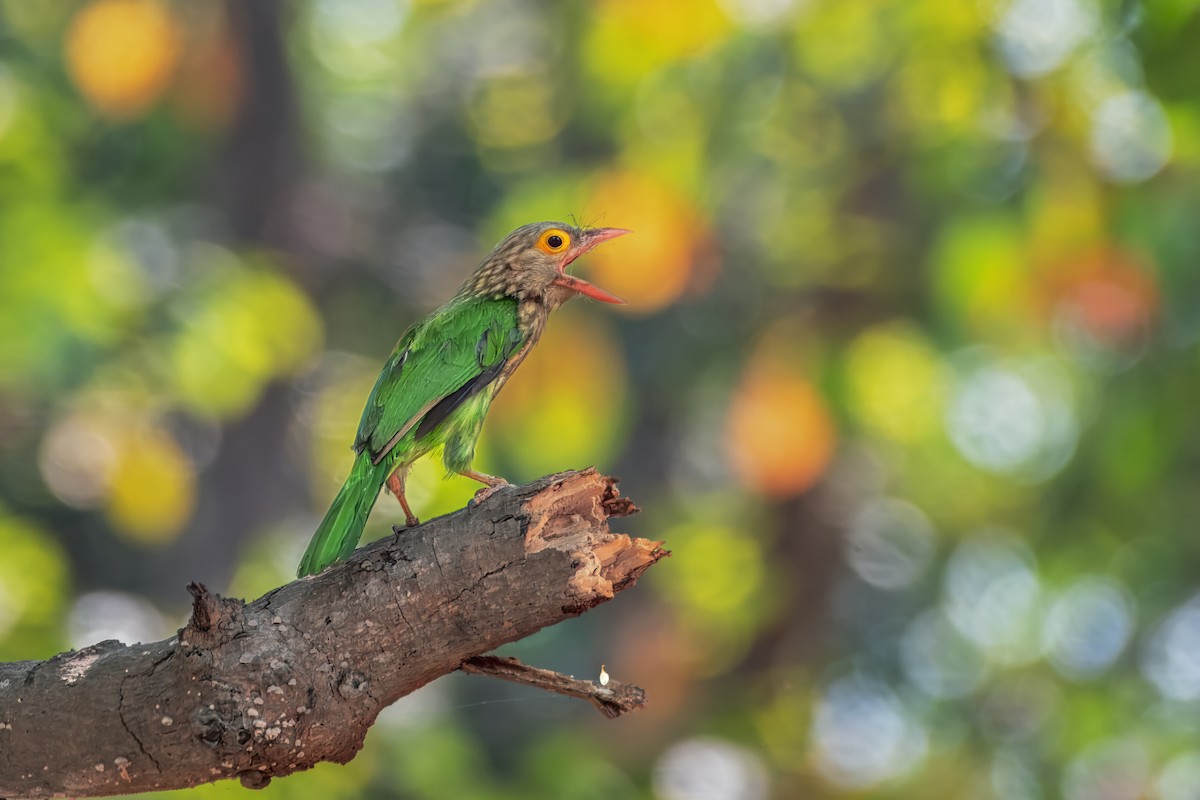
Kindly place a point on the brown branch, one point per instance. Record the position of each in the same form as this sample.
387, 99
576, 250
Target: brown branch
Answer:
264, 689
613, 699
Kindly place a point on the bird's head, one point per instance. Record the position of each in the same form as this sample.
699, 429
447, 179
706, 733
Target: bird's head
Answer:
532, 261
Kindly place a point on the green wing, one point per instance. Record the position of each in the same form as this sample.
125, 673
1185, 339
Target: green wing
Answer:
438, 364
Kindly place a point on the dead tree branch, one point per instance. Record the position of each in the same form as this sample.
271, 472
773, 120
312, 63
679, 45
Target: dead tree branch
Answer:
264, 689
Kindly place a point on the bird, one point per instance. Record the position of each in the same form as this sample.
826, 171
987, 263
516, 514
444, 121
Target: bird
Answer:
436, 387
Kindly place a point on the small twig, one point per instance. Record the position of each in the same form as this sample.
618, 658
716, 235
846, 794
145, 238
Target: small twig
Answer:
613, 700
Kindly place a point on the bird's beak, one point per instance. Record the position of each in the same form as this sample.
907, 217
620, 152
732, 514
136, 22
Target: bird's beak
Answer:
587, 240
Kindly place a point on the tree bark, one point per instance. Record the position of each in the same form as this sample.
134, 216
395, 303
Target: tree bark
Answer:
264, 689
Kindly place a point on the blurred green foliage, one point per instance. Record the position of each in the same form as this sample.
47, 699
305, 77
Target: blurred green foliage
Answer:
908, 378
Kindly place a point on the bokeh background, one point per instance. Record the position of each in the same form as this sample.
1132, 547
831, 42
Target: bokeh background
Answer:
908, 379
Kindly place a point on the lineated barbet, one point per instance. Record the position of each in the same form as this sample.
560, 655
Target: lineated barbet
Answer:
436, 388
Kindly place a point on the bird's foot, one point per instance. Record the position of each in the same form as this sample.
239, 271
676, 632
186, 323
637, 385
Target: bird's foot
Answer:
493, 485
489, 490
409, 524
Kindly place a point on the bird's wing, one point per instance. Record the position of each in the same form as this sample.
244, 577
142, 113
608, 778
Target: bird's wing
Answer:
437, 365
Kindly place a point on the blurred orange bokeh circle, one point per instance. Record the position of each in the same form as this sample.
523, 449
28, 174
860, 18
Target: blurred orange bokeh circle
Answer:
653, 268
780, 437
122, 54
1109, 291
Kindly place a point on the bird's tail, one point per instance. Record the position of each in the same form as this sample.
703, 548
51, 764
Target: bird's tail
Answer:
340, 530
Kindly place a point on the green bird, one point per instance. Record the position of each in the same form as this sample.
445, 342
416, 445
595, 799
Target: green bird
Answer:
436, 388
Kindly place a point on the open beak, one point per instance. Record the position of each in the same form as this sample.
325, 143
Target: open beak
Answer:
587, 240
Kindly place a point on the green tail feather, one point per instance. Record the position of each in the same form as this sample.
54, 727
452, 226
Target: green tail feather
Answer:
340, 530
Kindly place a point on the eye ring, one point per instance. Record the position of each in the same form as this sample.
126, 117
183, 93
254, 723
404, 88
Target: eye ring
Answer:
554, 241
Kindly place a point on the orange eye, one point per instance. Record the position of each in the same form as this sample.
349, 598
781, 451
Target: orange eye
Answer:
554, 241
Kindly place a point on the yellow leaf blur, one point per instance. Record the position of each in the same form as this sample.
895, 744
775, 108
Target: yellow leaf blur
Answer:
982, 277
121, 54
946, 92
783, 722
896, 382
652, 268
1067, 214
630, 38
723, 591
333, 415
515, 110
33, 585
845, 44
249, 327
153, 488
779, 436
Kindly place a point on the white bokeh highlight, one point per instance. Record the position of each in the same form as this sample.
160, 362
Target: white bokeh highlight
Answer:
862, 734
1036, 36
1130, 137
1180, 777
890, 543
1013, 418
707, 768
761, 12
992, 596
1088, 627
101, 615
938, 659
1171, 658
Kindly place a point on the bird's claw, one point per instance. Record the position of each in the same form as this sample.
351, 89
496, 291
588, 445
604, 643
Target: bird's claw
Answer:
409, 524
487, 491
